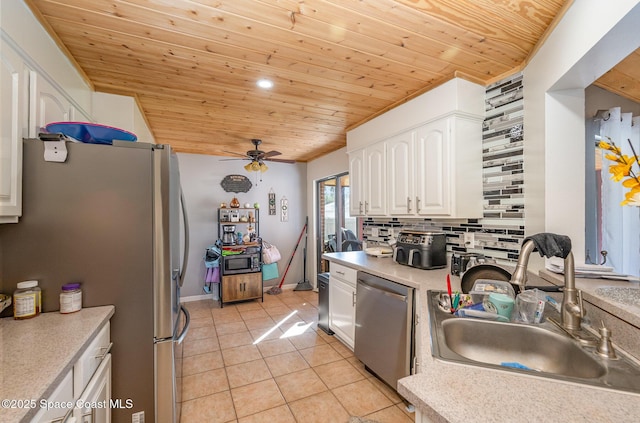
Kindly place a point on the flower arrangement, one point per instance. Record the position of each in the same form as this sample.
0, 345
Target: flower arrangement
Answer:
624, 168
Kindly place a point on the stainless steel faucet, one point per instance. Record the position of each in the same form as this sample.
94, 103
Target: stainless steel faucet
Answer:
572, 311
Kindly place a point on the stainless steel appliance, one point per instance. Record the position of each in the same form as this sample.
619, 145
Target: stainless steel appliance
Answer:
109, 218
246, 262
424, 250
384, 333
228, 234
323, 302
460, 261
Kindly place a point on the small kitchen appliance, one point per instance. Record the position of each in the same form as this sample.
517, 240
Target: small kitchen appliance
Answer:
421, 249
245, 262
229, 235
460, 262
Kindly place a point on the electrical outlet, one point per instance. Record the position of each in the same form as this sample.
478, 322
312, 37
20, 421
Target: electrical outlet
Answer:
137, 417
469, 240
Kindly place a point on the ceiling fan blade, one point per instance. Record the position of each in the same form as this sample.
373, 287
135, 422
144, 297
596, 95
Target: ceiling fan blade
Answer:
270, 154
280, 160
224, 160
237, 154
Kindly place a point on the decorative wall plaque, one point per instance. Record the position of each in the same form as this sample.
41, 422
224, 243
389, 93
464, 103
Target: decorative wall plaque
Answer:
284, 209
236, 183
272, 203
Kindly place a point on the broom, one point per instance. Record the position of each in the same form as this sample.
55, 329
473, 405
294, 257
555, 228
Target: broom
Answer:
275, 290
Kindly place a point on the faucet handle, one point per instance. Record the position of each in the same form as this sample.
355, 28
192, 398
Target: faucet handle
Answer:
581, 304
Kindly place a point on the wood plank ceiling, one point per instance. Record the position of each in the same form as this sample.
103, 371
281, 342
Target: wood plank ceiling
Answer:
193, 64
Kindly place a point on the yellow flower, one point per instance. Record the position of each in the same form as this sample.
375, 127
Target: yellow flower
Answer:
632, 198
620, 170
611, 147
624, 169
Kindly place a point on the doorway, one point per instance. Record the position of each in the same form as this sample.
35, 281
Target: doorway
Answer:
337, 230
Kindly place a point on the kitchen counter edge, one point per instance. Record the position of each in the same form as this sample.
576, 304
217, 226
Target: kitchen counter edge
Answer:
436, 390
38, 353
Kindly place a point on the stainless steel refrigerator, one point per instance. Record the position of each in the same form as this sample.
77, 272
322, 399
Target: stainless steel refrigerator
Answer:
111, 217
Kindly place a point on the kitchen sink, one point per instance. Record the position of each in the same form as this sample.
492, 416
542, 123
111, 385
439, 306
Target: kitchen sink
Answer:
514, 344
541, 350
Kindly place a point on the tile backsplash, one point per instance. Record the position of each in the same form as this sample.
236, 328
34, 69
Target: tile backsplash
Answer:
501, 230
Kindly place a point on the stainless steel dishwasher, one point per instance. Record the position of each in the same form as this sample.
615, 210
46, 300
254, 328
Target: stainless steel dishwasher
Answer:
384, 327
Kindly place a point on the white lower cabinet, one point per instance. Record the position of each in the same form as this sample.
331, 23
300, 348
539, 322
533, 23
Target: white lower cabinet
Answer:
342, 302
94, 405
84, 395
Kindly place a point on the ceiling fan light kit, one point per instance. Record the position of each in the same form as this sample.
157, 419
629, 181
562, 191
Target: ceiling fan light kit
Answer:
255, 167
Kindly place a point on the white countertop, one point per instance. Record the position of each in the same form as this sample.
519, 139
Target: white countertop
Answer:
452, 392
35, 354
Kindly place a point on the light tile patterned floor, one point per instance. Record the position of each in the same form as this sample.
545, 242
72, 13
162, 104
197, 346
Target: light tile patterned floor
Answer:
268, 362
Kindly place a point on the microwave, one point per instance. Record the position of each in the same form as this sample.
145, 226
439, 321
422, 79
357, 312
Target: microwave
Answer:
241, 263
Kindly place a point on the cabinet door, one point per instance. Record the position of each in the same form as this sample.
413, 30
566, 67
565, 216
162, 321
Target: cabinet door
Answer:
433, 169
356, 183
94, 405
63, 393
13, 124
47, 104
242, 286
401, 178
342, 300
231, 288
376, 180
253, 285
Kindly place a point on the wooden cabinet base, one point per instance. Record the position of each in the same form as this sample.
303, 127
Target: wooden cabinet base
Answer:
241, 287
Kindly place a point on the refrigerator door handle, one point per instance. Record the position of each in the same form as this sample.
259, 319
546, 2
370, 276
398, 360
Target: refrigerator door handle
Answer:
185, 257
185, 329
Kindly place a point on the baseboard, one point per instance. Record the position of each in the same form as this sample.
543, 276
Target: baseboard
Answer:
287, 287
196, 298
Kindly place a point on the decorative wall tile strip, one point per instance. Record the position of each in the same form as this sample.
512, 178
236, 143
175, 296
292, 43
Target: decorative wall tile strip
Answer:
501, 231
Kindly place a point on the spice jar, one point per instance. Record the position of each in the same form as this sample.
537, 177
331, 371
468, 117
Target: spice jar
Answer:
70, 298
27, 300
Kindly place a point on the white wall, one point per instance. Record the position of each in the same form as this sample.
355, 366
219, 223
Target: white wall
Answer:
590, 39
200, 178
121, 112
328, 165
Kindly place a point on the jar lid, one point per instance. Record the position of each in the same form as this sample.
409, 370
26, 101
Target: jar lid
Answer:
27, 284
71, 286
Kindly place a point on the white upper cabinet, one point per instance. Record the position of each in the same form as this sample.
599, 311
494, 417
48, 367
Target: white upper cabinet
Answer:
46, 105
13, 126
435, 168
401, 165
432, 160
367, 172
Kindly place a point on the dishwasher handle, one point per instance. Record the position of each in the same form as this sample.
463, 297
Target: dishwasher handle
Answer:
383, 291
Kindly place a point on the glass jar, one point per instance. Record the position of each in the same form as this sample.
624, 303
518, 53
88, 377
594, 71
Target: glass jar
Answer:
70, 298
27, 300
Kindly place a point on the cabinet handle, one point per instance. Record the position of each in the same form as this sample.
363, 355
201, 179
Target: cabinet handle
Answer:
360, 207
408, 204
353, 299
103, 352
366, 207
417, 204
339, 272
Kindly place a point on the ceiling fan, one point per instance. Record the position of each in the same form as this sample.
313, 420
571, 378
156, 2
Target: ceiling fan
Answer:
258, 157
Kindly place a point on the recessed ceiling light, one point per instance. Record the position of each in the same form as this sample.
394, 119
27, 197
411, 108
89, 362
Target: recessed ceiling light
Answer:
265, 83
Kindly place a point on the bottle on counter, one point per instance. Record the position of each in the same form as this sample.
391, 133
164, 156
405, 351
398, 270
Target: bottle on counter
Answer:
27, 300
70, 298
